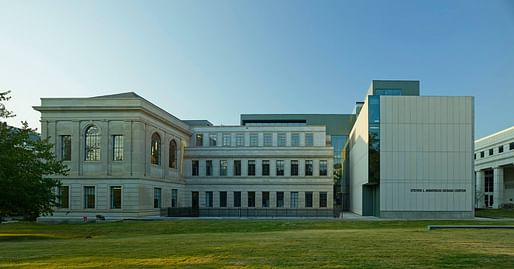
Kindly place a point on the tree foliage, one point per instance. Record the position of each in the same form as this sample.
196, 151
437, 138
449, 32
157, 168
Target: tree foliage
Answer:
26, 167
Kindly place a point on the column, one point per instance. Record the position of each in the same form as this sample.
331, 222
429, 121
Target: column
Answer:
498, 187
480, 189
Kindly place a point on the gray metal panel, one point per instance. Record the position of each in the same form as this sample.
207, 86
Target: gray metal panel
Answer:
408, 87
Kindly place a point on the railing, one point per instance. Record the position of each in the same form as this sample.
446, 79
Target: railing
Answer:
252, 212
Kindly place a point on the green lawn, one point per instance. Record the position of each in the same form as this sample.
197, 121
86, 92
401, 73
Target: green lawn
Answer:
255, 243
494, 213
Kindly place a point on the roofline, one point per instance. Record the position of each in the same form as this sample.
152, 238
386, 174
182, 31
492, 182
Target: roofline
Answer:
494, 134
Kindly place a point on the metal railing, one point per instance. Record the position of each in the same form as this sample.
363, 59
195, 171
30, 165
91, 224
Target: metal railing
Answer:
252, 212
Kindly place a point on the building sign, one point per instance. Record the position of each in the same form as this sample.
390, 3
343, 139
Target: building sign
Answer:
437, 190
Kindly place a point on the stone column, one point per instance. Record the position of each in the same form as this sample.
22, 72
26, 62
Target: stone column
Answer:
498, 187
480, 189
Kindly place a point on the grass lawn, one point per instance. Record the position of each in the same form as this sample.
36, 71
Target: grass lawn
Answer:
494, 213
255, 243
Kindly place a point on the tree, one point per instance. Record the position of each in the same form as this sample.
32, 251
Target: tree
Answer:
26, 165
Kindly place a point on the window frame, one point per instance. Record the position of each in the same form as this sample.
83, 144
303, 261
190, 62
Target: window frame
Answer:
113, 203
117, 148
223, 168
172, 154
66, 148
87, 197
251, 168
155, 149
325, 166
309, 168
265, 164
93, 144
61, 198
195, 168
157, 197
279, 168
294, 168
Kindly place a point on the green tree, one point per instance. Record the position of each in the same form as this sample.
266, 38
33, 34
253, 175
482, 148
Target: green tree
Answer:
26, 165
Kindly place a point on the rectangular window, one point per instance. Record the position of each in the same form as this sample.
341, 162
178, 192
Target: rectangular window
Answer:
322, 199
511, 146
280, 199
212, 140
481, 154
174, 198
265, 167
240, 140
208, 168
208, 199
66, 147
89, 197
117, 148
268, 139
251, 168
199, 140
115, 197
323, 168
227, 140
475, 156
500, 149
489, 181
237, 167
254, 140
195, 167
281, 139
309, 140
280, 167
294, 167
294, 199
295, 140
265, 199
223, 167
157, 197
308, 199
251, 199
64, 197
308, 167
223, 199
237, 199
491, 152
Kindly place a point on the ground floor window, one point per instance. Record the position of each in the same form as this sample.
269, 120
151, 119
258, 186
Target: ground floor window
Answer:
280, 199
265, 199
63, 197
89, 197
208, 199
294, 199
223, 199
157, 197
115, 197
174, 198
251, 199
308, 199
237, 199
322, 199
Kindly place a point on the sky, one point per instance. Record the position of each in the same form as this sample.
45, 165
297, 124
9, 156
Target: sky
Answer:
216, 60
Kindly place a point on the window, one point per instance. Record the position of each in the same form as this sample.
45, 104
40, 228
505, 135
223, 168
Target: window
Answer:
173, 154
64, 197
254, 140
265, 167
157, 198
268, 139
174, 198
265, 199
500, 149
115, 197
491, 152
227, 140
208, 199
237, 167
212, 140
237, 199
294, 168
92, 144
66, 147
208, 168
155, 149
251, 199
223, 167
323, 168
280, 167
223, 199
199, 140
89, 197
251, 168
117, 148
295, 140
240, 140
294, 199
281, 139
489, 181
322, 199
280, 199
308, 199
511, 146
195, 167
308, 167
309, 140
475, 156
481, 154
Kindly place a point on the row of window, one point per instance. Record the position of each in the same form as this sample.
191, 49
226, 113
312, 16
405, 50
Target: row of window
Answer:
265, 171
491, 151
115, 197
265, 199
254, 140
93, 147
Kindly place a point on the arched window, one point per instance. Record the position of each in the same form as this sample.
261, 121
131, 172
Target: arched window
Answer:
173, 154
92, 143
155, 149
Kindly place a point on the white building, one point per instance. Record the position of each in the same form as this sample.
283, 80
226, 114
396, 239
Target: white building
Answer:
494, 168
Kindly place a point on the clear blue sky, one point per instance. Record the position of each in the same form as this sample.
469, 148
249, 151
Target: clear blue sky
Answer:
217, 59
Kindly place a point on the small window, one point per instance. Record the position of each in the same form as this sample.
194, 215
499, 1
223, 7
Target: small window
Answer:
223, 167
227, 139
308, 199
309, 140
240, 140
223, 199
208, 168
251, 199
195, 167
475, 156
280, 199
323, 168
92, 144
155, 149
294, 167
500, 149
491, 152
208, 199
280, 168
251, 167
308, 167
237, 199
237, 167
482, 154
64, 197
254, 140
265, 199
295, 140
268, 139
117, 148
115, 197
157, 197
66, 147
174, 198
322, 199
89, 197
281, 139
265, 167
199, 140
294, 199
212, 140
173, 154
511, 146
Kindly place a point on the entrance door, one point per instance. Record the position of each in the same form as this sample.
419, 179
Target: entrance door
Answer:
195, 204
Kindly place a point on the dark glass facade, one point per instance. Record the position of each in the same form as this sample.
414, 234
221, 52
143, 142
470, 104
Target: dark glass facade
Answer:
374, 138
